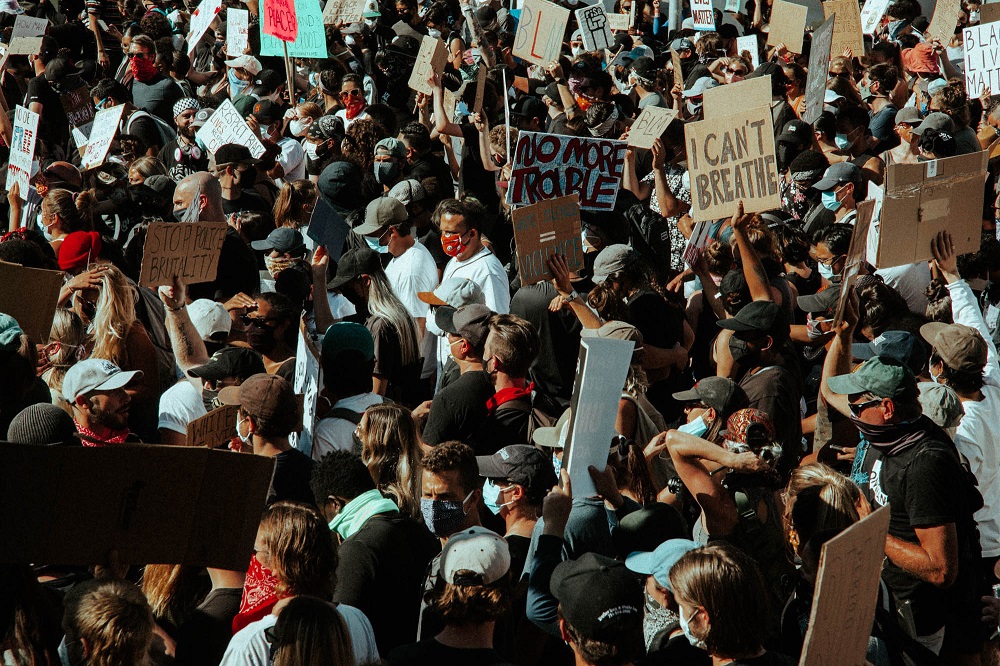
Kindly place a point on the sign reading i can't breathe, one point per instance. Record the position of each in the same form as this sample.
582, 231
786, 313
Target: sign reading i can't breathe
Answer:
549, 166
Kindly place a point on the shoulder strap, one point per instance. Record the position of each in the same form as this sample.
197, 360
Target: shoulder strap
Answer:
346, 414
517, 405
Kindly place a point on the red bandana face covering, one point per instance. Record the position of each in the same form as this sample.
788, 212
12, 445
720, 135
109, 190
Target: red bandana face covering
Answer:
143, 69
354, 107
259, 595
91, 439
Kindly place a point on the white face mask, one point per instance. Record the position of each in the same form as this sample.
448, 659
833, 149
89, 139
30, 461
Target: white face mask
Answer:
431, 32
686, 628
299, 127
826, 271
349, 40
310, 149
577, 50
248, 440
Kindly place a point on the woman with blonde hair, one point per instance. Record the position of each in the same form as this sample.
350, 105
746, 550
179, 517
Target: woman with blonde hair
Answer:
294, 205
62, 213
390, 451
65, 347
310, 631
819, 498
143, 168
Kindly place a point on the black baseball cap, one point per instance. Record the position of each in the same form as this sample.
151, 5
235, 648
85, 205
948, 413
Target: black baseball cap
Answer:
522, 464
283, 239
599, 597
761, 316
238, 362
353, 264
270, 79
796, 131
233, 152
530, 107
645, 68
720, 393
267, 112
469, 321
645, 529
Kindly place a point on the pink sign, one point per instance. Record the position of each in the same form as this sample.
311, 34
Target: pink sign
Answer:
280, 21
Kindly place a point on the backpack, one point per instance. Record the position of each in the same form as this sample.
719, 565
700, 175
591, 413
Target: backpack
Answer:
355, 418
167, 133
537, 416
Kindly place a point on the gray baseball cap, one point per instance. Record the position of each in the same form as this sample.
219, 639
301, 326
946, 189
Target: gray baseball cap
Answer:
612, 259
95, 374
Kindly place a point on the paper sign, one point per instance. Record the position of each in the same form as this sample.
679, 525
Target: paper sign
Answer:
871, 15
189, 250
918, 206
788, 25
981, 44
201, 19
343, 12
732, 6
618, 22
649, 126
30, 295
847, 590
307, 383
227, 126
549, 166
150, 504
847, 31
328, 228
237, 31
696, 244
280, 20
540, 32
311, 39
731, 158
101, 135
79, 106
26, 39
855, 256
22, 149
214, 428
746, 94
702, 14
749, 48
819, 67
989, 13
945, 20
547, 228
675, 59
431, 58
600, 377
594, 28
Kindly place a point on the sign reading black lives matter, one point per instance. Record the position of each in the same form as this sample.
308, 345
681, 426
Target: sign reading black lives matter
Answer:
730, 159
982, 58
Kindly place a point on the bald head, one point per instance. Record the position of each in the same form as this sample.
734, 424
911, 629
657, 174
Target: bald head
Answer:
204, 187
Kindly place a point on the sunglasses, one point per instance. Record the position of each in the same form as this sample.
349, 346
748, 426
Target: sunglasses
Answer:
857, 408
138, 55
347, 94
259, 322
740, 72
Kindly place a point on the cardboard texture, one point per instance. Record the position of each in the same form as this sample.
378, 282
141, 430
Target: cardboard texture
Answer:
237, 31
847, 28
328, 228
989, 13
871, 15
200, 20
102, 133
214, 428
945, 20
343, 12
30, 295
79, 106
702, 15
855, 256
307, 383
650, 125
540, 32
618, 22
189, 250
280, 20
22, 150
846, 593
981, 48
150, 504
819, 67
310, 42
547, 228
477, 104
600, 377
226, 125
747, 94
923, 199
729, 159
675, 60
432, 58
26, 38
748, 45
594, 28
788, 25
549, 166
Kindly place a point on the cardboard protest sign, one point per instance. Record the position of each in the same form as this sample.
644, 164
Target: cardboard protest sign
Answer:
431, 58
102, 133
26, 39
746, 94
788, 25
280, 20
540, 32
201, 19
696, 244
227, 126
732, 158
477, 104
847, 590
594, 28
307, 383
945, 20
79, 106
22, 149
871, 15
310, 39
989, 13
543, 229
855, 256
189, 250
343, 12
702, 15
600, 376
30, 295
328, 228
748, 47
214, 428
618, 22
549, 166
847, 31
819, 67
981, 45
649, 126
925, 198
150, 504
675, 61
237, 31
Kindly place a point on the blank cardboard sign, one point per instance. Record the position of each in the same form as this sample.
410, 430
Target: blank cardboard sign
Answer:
819, 67
649, 126
149, 504
847, 28
945, 19
540, 32
30, 295
788, 25
431, 58
747, 94
543, 229
189, 250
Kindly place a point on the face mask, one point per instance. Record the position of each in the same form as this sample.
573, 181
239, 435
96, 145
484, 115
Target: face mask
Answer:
355, 107
180, 214
491, 493
557, 464
443, 517
973, 17
577, 50
698, 427
261, 339
433, 32
686, 628
310, 149
350, 41
866, 94
655, 618
276, 265
740, 352
373, 244
208, 398
895, 28
843, 143
386, 173
693, 108
452, 245
142, 69
237, 86
825, 271
46, 233
298, 127
830, 202
248, 440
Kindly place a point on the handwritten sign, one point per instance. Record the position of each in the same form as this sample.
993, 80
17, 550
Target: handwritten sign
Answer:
847, 31
945, 20
431, 58
343, 12
79, 106
310, 40
307, 382
747, 94
540, 32
214, 428
201, 20
788, 25
594, 28
649, 126
227, 126
749, 49
280, 20
543, 229
855, 255
618, 22
549, 166
981, 44
102, 133
871, 15
189, 250
819, 66
26, 39
30, 295
731, 158
702, 15
22, 150
237, 31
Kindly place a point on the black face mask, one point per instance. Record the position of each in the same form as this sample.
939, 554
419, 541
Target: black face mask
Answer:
742, 353
248, 177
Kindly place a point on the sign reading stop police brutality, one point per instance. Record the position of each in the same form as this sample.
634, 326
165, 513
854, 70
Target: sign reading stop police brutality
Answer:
731, 159
549, 166
982, 58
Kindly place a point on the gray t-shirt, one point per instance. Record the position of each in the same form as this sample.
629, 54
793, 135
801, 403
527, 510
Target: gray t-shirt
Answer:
653, 99
157, 96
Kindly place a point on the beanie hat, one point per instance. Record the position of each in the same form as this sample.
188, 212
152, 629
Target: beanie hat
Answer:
79, 249
43, 423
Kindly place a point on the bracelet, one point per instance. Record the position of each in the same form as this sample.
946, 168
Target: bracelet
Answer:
176, 309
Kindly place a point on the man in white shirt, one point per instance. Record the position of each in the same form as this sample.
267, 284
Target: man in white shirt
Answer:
460, 223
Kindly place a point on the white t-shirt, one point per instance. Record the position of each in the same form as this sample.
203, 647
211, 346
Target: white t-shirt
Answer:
412, 272
179, 405
342, 114
333, 434
292, 159
249, 646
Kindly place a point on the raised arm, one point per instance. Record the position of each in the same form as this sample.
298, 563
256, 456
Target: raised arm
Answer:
322, 313
753, 269
442, 123
838, 359
189, 348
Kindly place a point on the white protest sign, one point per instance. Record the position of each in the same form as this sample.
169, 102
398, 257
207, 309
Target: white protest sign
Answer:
872, 13
540, 32
22, 149
600, 377
594, 28
201, 19
237, 31
227, 126
307, 383
344, 12
26, 39
618, 22
749, 46
981, 44
102, 133
733, 6
702, 15
648, 127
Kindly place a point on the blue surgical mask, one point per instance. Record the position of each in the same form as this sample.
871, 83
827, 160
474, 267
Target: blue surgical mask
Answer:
830, 202
925, 109
895, 27
491, 493
686, 628
556, 464
825, 271
698, 427
236, 86
248, 440
443, 517
843, 143
373, 244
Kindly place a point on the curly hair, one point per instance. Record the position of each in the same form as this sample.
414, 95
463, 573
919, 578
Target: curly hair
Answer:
303, 556
340, 474
463, 605
454, 456
359, 142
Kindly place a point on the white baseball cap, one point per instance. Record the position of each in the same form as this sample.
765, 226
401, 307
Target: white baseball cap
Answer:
476, 556
247, 62
210, 319
455, 292
94, 374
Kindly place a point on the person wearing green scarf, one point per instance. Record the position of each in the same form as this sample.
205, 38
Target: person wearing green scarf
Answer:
357, 512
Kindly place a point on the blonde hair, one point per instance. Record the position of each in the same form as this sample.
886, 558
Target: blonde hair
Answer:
818, 498
391, 454
383, 303
290, 203
115, 620
173, 590
67, 330
114, 318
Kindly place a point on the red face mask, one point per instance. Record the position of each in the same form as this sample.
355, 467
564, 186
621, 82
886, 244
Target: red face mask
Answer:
452, 244
143, 69
354, 107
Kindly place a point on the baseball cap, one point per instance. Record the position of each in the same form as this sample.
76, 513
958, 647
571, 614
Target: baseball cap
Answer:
524, 465
63, 172
371, 9
682, 44
598, 596
202, 117
763, 316
380, 213
720, 393
838, 174
354, 263
700, 86
455, 292
941, 404
530, 107
936, 85
269, 80
618, 330
233, 152
10, 332
283, 239
771, 69
469, 321
881, 376
476, 556
796, 131
659, 562
262, 395
238, 362
645, 68
345, 336
42, 423
95, 374
407, 191
909, 114
822, 301
327, 127
941, 122
903, 346
267, 112
392, 147
612, 259
961, 347
210, 318
247, 62
646, 528
551, 91
734, 282
831, 96
553, 437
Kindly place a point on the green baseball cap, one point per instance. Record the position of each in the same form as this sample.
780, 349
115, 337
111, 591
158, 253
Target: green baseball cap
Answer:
883, 377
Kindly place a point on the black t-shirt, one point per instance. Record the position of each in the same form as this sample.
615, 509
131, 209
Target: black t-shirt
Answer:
53, 126
432, 166
431, 652
205, 634
292, 471
157, 96
675, 650
508, 424
661, 325
554, 368
248, 200
459, 410
187, 165
472, 176
774, 391
403, 379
